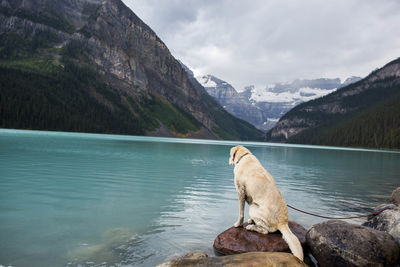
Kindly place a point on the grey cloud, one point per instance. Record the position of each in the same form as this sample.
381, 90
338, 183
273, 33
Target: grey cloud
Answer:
268, 41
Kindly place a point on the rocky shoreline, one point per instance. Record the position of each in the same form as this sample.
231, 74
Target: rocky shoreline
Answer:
330, 243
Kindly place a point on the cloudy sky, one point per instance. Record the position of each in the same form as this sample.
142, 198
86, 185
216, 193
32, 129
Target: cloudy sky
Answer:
265, 41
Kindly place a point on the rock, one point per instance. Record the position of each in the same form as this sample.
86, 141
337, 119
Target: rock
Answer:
191, 256
115, 237
338, 243
388, 221
381, 208
93, 253
114, 245
395, 197
265, 259
239, 240
195, 255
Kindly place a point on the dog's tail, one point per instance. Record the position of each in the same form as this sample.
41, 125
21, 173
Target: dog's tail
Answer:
292, 240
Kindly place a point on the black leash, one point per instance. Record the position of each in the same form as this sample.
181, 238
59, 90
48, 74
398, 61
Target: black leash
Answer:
373, 214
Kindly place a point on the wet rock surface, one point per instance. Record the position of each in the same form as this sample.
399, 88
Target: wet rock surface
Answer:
338, 243
116, 247
239, 240
388, 221
266, 259
395, 197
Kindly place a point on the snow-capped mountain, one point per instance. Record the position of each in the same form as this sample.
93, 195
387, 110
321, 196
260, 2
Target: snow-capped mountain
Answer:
361, 114
301, 95
264, 106
278, 98
297, 91
232, 101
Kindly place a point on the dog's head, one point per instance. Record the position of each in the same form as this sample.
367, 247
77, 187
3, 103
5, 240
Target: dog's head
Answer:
237, 153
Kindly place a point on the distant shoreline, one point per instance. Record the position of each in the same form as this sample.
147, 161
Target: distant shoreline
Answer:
200, 141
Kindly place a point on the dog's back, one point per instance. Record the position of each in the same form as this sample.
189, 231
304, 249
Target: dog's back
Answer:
261, 186
267, 208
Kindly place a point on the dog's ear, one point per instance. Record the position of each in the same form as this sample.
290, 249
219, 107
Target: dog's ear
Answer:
240, 152
236, 154
233, 155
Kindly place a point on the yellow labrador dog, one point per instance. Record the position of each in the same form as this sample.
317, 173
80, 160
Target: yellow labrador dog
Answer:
267, 208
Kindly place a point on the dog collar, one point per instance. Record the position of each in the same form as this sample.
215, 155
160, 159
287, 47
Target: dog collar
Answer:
248, 153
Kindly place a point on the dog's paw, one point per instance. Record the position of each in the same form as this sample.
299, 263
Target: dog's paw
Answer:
256, 228
250, 221
238, 224
250, 227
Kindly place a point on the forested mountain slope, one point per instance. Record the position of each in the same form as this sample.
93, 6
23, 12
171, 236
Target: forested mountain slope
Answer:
94, 66
363, 114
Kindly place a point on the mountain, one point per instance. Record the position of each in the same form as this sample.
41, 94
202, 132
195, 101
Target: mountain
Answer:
94, 66
232, 101
278, 98
362, 114
264, 107
350, 80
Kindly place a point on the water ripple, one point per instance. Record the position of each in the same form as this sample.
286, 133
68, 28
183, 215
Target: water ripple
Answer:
169, 196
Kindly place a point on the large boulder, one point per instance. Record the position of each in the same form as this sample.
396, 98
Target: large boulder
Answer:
338, 243
395, 197
387, 221
239, 240
265, 259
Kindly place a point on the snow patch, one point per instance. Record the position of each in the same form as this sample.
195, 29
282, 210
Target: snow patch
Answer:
206, 81
302, 95
270, 86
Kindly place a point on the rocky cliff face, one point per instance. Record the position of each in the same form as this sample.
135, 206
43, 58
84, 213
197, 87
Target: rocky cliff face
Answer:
131, 59
232, 101
355, 104
264, 107
124, 46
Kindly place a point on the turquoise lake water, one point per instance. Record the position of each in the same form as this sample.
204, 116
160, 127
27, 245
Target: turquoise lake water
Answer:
70, 199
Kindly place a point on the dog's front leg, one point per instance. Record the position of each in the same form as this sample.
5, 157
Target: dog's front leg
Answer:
241, 198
